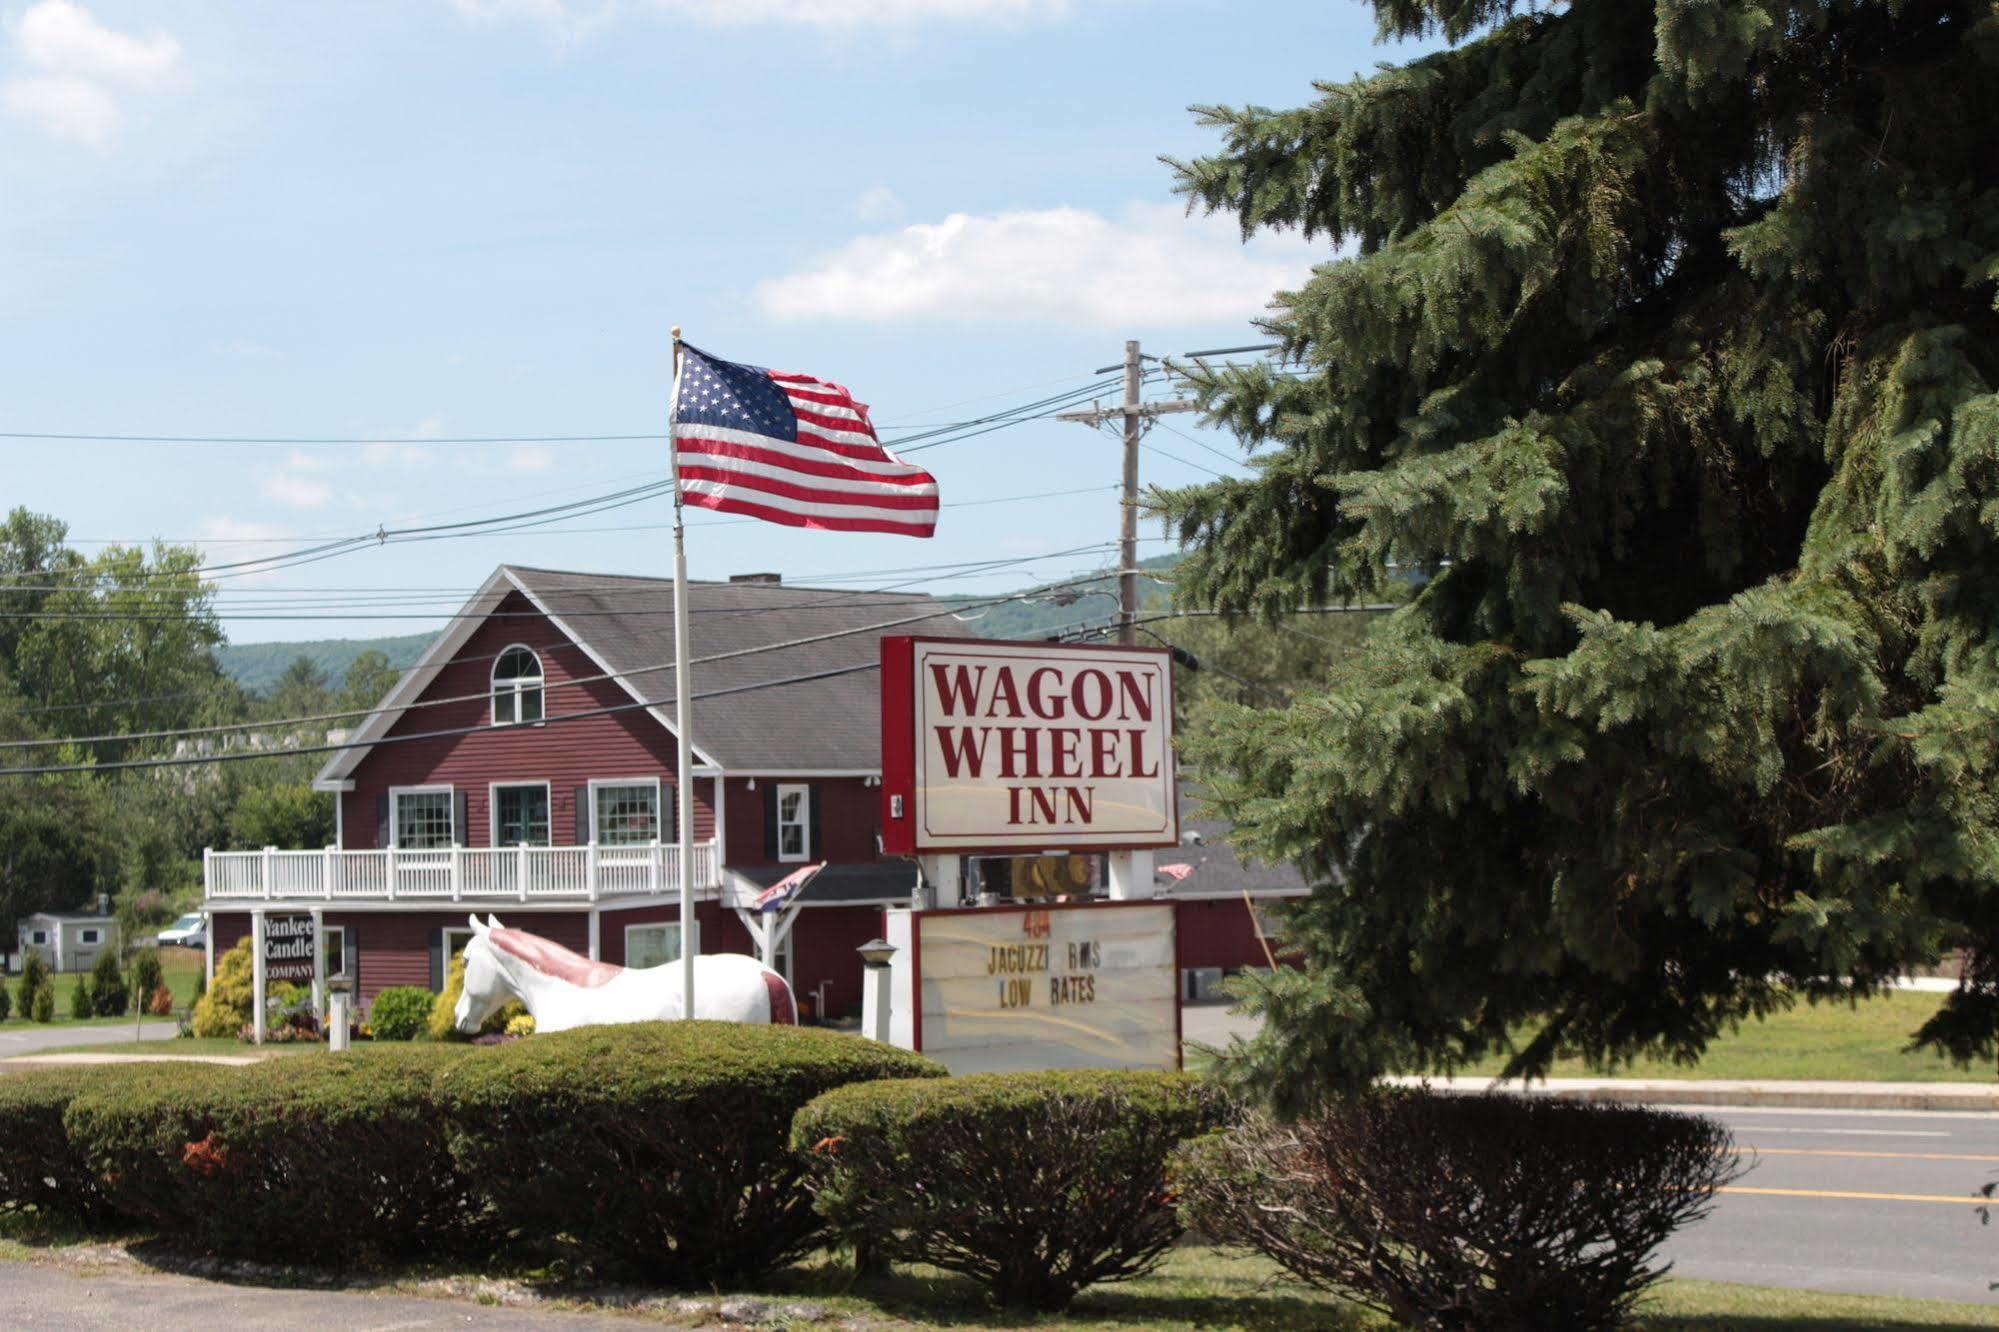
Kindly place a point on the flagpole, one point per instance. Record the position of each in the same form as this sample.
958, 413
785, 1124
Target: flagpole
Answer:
683, 709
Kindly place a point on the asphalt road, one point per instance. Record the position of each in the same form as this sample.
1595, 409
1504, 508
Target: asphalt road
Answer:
1868, 1202
19, 1038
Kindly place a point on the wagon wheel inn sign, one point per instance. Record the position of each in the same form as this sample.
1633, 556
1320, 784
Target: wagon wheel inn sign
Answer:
1016, 747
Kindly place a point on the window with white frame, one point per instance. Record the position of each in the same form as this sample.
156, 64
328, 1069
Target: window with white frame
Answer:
424, 819
520, 815
794, 822
652, 945
333, 952
626, 813
88, 936
517, 683
39, 938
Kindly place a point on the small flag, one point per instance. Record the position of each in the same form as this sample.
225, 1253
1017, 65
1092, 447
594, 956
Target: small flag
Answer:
790, 449
1177, 873
775, 896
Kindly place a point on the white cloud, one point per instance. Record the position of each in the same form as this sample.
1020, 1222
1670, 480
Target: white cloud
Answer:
531, 458
1152, 266
294, 491
878, 205
77, 67
572, 18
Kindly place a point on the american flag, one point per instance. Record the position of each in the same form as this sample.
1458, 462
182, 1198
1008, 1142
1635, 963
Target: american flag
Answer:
775, 896
1177, 873
790, 449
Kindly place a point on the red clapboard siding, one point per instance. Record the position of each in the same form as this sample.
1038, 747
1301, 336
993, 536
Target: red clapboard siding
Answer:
566, 755
849, 818
1218, 933
721, 932
822, 950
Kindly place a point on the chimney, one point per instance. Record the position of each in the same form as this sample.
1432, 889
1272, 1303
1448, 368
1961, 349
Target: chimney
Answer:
104, 904
757, 578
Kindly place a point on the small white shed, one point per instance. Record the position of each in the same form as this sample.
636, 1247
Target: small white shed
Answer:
67, 940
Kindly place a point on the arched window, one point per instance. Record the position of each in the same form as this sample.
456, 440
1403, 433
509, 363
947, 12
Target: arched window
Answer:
516, 687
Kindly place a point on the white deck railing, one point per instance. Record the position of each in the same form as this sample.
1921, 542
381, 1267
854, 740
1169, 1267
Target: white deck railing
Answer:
456, 874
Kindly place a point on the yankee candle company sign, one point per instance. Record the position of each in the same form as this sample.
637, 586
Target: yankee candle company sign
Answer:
1082, 985
1025, 747
288, 948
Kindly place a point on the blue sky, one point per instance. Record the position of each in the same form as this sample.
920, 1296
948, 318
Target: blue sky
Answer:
400, 220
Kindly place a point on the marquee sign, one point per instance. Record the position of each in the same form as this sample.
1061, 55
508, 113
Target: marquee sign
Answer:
288, 944
1019, 988
1003, 747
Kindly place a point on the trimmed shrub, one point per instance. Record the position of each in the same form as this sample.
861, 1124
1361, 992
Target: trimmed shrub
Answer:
1463, 1212
146, 976
225, 1005
1036, 1185
200, 985
38, 1167
34, 975
346, 1148
399, 1012
659, 1146
6, 1001
81, 1003
110, 996
44, 1009
442, 1025
161, 1004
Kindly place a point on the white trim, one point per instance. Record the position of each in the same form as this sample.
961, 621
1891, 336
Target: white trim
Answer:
1227, 894
395, 816
804, 823
804, 772
493, 790
638, 695
540, 678
346, 971
318, 785
502, 907
89, 936
658, 808
340, 822
674, 925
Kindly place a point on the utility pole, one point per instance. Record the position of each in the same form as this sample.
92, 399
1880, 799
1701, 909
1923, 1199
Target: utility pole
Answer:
1136, 416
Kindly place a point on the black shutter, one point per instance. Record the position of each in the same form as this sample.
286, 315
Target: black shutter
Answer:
770, 821
461, 828
669, 812
354, 968
813, 838
383, 831
437, 960
583, 816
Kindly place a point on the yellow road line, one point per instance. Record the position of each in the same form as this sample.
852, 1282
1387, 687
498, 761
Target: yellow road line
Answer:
1874, 1156
1955, 1200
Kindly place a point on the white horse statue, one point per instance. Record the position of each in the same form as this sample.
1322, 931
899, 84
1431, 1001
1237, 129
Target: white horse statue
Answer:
563, 989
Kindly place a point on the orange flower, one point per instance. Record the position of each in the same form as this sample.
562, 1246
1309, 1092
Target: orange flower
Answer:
204, 1158
827, 1147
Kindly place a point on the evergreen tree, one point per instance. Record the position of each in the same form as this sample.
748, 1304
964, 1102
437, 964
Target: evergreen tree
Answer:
110, 996
1667, 341
6, 1000
82, 1003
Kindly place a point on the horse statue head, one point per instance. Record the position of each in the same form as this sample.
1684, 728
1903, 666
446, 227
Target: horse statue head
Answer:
486, 985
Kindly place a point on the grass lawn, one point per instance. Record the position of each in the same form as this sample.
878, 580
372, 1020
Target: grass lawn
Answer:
180, 969
1861, 1043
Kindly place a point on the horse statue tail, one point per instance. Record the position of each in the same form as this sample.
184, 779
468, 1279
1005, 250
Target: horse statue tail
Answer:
783, 1009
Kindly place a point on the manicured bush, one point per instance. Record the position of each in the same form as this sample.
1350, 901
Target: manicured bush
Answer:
1463, 1212
6, 1001
44, 1009
399, 1012
161, 1004
346, 1149
1036, 1185
34, 976
200, 985
225, 1006
442, 1023
38, 1166
146, 976
657, 1146
110, 996
81, 1002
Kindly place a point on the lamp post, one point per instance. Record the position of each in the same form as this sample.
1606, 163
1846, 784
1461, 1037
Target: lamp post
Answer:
876, 955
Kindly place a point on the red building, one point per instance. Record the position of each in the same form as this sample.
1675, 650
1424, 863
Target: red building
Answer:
525, 767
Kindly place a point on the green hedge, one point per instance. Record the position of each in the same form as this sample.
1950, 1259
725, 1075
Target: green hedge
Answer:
1037, 1185
321, 1156
399, 1012
38, 1168
658, 1146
